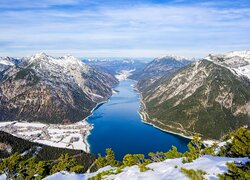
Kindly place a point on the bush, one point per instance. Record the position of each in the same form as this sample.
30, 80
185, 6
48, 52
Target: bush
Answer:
210, 150
10, 165
236, 171
194, 149
17, 167
161, 156
238, 145
108, 159
194, 175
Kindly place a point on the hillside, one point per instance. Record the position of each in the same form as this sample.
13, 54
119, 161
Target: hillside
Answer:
159, 67
52, 90
206, 97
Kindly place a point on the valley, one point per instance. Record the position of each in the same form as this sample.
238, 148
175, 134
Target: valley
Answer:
118, 125
124, 90
146, 107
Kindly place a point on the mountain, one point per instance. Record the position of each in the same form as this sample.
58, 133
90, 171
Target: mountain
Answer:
211, 97
159, 67
6, 63
53, 90
117, 65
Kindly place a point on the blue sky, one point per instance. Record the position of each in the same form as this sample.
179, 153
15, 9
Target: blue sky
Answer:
132, 28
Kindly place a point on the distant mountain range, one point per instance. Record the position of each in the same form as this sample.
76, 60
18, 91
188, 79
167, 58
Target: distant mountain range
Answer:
210, 96
48, 89
114, 66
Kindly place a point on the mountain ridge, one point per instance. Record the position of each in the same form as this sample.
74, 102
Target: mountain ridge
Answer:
191, 99
57, 89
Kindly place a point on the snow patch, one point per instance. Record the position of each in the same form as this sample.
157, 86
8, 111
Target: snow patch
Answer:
124, 74
165, 170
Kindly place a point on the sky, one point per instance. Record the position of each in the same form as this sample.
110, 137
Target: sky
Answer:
123, 28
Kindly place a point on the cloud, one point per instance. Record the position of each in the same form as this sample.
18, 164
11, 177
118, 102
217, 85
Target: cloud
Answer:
22, 4
133, 30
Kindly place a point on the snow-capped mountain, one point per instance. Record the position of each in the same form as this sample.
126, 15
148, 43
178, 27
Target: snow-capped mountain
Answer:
50, 89
207, 96
117, 65
237, 61
171, 56
6, 62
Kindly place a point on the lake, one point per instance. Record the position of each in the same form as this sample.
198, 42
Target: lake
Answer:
117, 125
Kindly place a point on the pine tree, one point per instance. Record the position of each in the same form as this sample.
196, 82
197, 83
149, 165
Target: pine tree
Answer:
110, 157
65, 163
238, 144
236, 171
129, 160
9, 165
194, 149
173, 153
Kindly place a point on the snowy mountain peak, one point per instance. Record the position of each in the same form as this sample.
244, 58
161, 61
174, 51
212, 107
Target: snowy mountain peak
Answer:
237, 61
39, 55
6, 61
178, 58
242, 54
72, 60
64, 61
233, 54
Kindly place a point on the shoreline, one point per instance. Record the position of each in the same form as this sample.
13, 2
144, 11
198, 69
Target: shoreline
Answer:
167, 131
85, 139
83, 126
143, 117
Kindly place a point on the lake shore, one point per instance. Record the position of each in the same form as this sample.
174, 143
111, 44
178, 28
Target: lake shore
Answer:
144, 116
86, 121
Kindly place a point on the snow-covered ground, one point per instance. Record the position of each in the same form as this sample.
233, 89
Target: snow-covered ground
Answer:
124, 74
166, 170
71, 136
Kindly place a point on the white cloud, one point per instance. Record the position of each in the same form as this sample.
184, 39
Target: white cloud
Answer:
140, 30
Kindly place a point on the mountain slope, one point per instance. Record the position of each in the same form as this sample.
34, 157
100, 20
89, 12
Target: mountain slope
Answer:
5, 64
54, 90
205, 97
158, 68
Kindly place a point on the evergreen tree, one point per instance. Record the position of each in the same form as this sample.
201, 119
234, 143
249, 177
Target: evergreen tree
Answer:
9, 165
173, 153
129, 160
156, 157
210, 150
236, 171
238, 144
194, 174
108, 159
65, 163
194, 149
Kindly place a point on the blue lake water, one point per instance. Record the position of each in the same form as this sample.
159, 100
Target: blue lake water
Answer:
117, 125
